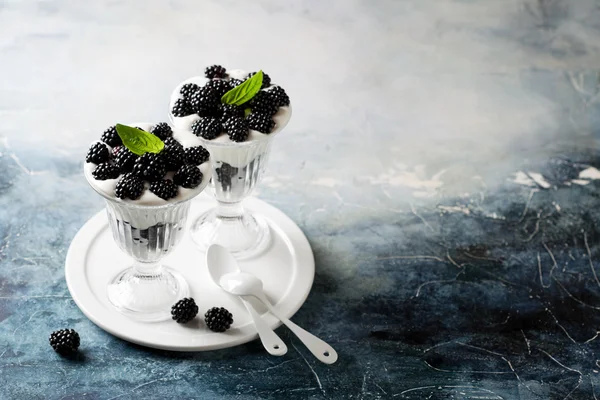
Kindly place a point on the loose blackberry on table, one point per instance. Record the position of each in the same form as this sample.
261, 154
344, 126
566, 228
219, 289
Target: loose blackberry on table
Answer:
182, 108
184, 310
207, 127
129, 187
162, 130
260, 122
65, 341
218, 319
196, 155
188, 176
164, 188
215, 71
150, 166
111, 137
98, 153
188, 90
106, 171
125, 159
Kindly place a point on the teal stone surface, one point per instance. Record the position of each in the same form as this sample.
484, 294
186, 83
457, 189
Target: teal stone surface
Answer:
442, 160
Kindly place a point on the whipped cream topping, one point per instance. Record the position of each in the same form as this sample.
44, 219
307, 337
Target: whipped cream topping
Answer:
107, 187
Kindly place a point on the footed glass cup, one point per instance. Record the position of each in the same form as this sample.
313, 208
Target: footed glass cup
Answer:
146, 290
236, 170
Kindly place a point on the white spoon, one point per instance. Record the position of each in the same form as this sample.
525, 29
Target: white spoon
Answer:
217, 267
245, 284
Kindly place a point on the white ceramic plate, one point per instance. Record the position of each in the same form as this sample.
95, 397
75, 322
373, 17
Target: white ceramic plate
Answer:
287, 270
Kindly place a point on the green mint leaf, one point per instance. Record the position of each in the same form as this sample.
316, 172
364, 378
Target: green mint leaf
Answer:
138, 141
244, 92
247, 112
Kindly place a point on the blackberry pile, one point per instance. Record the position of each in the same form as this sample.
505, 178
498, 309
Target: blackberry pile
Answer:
150, 171
214, 118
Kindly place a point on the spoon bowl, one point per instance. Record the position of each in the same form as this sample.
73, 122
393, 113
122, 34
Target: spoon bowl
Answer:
241, 284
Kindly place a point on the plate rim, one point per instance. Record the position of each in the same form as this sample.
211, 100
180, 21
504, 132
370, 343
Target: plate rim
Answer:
290, 231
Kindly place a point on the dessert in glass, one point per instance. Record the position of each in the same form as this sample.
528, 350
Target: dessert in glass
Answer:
147, 178
235, 115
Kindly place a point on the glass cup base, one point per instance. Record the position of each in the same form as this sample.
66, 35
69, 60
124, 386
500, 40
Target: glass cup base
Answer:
147, 296
246, 235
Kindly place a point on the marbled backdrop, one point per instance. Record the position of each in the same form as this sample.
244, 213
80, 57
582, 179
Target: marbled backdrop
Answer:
441, 160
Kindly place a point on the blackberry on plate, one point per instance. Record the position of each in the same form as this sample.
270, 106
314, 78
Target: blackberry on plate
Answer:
234, 82
218, 319
204, 101
98, 153
129, 186
260, 122
215, 71
207, 127
188, 89
173, 156
64, 341
188, 176
266, 79
164, 188
106, 171
263, 103
184, 310
150, 166
182, 108
237, 129
280, 97
162, 130
230, 110
196, 155
111, 137
125, 159
218, 86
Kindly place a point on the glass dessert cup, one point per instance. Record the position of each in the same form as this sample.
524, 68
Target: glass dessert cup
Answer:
236, 170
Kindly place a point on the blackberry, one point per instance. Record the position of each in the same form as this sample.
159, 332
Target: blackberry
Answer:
224, 174
171, 141
218, 86
64, 341
215, 71
229, 110
125, 159
218, 319
98, 153
204, 101
196, 155
188, 176
111, 137
188, 90
164, 188
173, 156
150, 166
184, 310
263, 103
106, 171
280, 97
129, 186
235, 82
207, 127
237, 129
260, 122
266, 79
162, 130
182, 108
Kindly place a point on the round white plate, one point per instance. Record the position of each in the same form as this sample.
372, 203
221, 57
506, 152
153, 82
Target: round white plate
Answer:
286, 268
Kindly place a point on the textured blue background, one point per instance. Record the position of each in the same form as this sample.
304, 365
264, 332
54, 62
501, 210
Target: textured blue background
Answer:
441, 160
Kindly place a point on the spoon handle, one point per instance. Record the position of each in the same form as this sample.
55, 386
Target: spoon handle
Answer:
272, 343
321, 350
